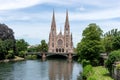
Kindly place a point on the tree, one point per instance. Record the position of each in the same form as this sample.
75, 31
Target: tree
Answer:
7, 42
90, 45
43, 46
112, 40
21, 46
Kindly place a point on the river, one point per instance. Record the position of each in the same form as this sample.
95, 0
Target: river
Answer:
55, 69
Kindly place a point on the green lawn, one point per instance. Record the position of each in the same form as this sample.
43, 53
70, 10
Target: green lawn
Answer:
101, 73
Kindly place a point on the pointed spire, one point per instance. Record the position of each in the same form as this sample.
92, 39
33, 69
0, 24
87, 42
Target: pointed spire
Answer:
67, 20
67, 27
53, 25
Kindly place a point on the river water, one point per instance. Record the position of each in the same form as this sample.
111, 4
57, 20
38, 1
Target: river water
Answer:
40, 70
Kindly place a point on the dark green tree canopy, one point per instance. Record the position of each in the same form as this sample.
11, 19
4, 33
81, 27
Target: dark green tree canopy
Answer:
7, 42
92, 32
90, 45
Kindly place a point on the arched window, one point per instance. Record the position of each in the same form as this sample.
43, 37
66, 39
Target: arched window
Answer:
62, 50
59, 50
60, 42
56, 50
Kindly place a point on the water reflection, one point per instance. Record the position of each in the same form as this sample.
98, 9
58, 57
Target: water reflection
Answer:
40, 70
60, 70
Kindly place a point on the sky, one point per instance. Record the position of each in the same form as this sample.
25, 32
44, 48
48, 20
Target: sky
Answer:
31, 19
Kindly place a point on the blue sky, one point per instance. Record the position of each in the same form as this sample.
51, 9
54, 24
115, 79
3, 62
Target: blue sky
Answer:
31, 19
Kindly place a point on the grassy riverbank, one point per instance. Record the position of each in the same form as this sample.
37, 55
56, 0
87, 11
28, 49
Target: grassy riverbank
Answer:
15, 59
100, 73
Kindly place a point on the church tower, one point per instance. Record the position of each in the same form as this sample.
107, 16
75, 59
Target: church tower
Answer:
61, 43
52, 35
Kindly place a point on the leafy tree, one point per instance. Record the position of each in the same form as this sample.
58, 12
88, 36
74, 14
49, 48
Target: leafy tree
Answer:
21, 46
90, 45
7, 42
43, 46
112, 40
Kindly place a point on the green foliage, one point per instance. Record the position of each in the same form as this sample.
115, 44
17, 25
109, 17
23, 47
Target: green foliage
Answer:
91, 78
43, 46
90, 46
21, 47
113, 57
31, 57
118, 66
112, 40
22, 54
34, 56
85, 62
10, 55
87, 71
33, 49
99, 73
5, 47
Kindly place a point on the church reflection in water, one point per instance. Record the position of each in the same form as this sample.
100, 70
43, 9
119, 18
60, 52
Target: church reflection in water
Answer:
61, 70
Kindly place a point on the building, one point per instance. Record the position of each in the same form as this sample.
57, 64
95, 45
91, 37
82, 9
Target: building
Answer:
60, 43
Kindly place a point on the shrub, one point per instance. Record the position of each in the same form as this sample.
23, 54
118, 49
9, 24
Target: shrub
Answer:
31, 57
34, 57
22, 54
118, 66
28, 56
91, 78
87, 71
113, 57
10, 55
85, 62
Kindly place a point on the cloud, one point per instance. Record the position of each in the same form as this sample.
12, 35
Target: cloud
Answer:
16, 4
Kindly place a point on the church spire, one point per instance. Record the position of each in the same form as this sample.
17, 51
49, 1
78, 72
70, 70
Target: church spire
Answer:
66, 28
53, 24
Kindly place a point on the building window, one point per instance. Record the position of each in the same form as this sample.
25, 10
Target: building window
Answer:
59, 50
66, 44
56, 50
60, 42
62, 50
52, 44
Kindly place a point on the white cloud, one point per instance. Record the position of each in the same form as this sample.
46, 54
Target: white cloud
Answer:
15, 4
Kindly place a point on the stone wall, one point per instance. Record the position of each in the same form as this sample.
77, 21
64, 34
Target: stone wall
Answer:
118, 74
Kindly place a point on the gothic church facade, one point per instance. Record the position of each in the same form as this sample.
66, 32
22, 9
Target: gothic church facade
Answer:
60, 43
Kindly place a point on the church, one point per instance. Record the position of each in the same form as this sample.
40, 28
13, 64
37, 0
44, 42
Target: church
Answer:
60, 43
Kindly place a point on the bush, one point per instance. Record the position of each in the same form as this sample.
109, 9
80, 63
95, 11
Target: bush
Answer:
112, 58
10, 55
31, 57
22, 54
91, 78
28, 56
85, 62
118, 66
87, 71
34, 56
